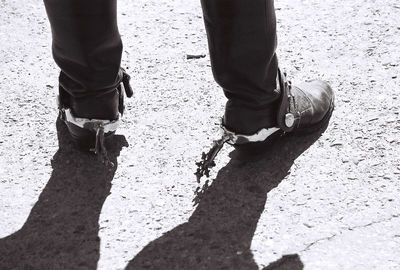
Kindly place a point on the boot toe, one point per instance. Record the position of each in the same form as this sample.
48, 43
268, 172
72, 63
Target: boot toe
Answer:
315, 101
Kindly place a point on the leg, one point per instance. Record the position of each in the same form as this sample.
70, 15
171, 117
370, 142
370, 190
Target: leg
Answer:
242, 42
86, 45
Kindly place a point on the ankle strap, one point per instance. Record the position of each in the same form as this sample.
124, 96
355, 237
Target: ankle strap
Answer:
238, 139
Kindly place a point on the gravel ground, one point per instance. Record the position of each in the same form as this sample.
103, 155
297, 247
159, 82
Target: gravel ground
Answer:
314, 202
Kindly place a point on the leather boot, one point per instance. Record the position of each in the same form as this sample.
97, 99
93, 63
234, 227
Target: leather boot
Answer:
302, 109
306, 107
91, 119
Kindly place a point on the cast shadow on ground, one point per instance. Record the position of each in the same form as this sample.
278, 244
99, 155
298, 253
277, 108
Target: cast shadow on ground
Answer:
61, 231
218, 235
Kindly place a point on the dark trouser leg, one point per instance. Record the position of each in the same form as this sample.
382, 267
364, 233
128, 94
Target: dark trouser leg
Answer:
86, 45
242, 42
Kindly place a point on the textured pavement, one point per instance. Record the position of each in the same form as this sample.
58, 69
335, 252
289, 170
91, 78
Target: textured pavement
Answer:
312, 202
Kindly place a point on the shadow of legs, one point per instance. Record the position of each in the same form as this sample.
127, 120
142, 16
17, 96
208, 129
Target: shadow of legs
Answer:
219, 233
61, 231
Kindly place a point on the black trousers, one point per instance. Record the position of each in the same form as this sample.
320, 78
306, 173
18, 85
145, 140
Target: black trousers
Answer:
242, 41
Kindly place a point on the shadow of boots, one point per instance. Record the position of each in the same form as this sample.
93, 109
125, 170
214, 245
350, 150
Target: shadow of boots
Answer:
61, 231
287, 262
218, 235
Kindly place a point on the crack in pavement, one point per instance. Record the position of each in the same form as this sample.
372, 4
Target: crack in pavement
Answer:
328, 238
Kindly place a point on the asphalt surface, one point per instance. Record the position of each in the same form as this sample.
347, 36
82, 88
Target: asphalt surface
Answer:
328, 200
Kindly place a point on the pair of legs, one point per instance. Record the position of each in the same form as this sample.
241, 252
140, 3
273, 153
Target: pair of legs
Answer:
242, 40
